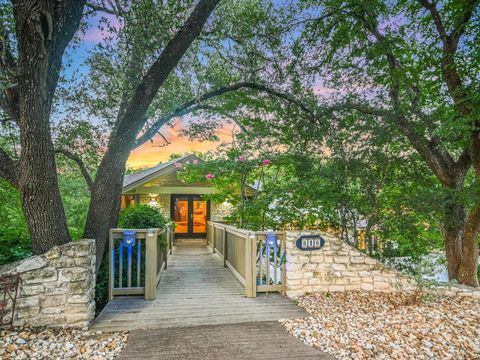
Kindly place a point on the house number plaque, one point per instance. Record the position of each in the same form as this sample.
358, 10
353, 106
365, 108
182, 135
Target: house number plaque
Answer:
310, 242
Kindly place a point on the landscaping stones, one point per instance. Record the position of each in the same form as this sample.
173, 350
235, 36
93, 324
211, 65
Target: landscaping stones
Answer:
42, 344
391, 325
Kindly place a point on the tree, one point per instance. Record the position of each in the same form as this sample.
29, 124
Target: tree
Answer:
404, 67
421, 73
30, 76
29, 70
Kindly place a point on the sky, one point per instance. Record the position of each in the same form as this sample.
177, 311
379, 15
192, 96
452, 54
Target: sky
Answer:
150, 153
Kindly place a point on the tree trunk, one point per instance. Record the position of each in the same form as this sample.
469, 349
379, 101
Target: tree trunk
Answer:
43, 31
105, 199
38, 184
453, 226
467, 270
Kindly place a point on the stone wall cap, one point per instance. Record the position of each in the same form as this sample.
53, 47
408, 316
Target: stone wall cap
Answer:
32, 263
37, 261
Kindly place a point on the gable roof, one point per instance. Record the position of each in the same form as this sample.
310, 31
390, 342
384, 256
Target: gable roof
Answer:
132, 180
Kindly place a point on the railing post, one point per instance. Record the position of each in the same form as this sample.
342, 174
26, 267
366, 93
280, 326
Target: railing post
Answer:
212, 229
250, 265
151, 264
166, 233
224, 239
171, 235
111, 262
283, 264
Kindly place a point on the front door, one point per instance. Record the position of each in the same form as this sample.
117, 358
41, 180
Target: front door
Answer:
190, 214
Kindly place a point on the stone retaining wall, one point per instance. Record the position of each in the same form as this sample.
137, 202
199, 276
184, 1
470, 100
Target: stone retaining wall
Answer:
57, 289
337, 267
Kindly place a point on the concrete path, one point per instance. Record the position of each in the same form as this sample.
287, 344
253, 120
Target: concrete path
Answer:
252, 341
195, 290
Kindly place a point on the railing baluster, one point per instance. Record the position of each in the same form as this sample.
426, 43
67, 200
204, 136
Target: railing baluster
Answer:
260, 262
267, 256
129, 266
120, 265
139, 257
275, 282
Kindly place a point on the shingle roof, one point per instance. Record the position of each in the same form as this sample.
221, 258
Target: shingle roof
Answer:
137, 177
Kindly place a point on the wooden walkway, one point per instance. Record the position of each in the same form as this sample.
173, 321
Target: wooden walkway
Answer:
195, 290
244, 341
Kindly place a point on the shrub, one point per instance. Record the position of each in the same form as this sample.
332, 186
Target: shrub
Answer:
141, 217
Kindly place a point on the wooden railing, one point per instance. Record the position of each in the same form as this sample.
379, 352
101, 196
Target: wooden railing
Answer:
260, 268
136, 269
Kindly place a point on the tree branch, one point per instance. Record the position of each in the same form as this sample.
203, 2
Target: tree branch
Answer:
9, 103
8, 168
462, 20
80, 163
450, 45
195, 104
117, 10
438, 159
7, 60
133, 118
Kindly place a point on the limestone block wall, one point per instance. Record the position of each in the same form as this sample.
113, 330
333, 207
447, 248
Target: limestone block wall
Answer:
337, 267
57, 289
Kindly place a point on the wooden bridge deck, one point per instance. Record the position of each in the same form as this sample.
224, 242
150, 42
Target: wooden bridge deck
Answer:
264, 340
195, 290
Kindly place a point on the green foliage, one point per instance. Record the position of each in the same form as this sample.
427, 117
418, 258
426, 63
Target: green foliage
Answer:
141, 217
14, 236
76, 199
101, 285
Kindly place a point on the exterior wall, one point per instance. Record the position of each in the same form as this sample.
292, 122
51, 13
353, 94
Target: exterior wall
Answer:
218, 211
57, 289
337, 267
164, 203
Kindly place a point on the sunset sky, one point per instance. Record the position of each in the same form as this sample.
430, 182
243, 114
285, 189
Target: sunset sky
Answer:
150, 154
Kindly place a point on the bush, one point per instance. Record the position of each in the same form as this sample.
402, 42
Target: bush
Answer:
141, 217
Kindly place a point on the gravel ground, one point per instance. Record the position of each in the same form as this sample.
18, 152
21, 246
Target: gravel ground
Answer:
364, 325
60, 344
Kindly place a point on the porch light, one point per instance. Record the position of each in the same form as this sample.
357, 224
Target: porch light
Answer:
271, 240
153, 200
128, 238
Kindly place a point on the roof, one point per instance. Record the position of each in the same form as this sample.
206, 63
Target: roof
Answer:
131, 181
142, 176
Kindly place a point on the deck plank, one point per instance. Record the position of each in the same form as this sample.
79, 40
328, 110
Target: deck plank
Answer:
195, 290
252, 341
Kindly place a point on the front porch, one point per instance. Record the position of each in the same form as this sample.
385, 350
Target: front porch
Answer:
195, 289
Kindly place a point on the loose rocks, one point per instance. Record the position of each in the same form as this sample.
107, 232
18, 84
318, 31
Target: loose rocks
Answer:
363, 325
60, 344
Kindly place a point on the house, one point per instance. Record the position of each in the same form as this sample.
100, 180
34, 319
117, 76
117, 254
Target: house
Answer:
184, 203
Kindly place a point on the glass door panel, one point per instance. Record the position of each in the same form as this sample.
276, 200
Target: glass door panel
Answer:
190, 214
199, 216
180, 216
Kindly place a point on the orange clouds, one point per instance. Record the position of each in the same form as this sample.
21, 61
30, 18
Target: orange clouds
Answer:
150, 154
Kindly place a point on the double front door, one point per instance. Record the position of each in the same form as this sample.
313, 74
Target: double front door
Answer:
190, 214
